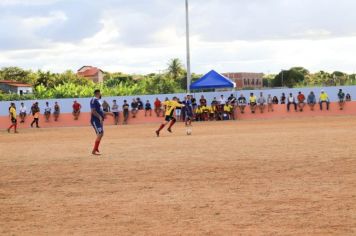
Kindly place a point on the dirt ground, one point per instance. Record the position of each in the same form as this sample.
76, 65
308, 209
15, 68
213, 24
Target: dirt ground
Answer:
275, 177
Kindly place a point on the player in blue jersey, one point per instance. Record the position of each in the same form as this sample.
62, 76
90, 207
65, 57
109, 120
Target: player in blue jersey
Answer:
97, 119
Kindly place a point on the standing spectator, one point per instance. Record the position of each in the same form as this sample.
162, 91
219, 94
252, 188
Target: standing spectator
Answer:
13, 117
261, 101
115, 111
341, 96
56, 111
291, 100
36, 114
324, 98
283, 98
47, 111
194, 102
23, 112
275, 100
232, 99
139, 104
178, 111
76, 110
126, 111
348, 98
148, 108
242, 102
214, 102
270, 103
134, 108
301, 101
311, 100
253, 102
222, 100
105, 106
158, 106
203, 101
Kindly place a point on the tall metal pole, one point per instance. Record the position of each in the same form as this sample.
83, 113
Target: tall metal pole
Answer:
189, 76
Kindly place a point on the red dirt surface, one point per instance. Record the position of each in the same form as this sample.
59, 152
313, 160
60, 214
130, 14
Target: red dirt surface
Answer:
275, 177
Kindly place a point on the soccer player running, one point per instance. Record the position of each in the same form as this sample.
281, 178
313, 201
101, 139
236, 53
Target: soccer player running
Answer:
97, 119
12, 112
169, 118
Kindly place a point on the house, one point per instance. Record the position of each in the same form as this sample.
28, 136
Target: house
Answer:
92, 73
246, 80
9, 86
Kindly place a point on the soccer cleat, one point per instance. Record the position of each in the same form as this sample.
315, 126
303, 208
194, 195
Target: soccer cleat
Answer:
169, 130
95, 153
8, 130
157, 133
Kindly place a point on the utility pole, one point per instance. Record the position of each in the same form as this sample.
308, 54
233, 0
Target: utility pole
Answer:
189, 76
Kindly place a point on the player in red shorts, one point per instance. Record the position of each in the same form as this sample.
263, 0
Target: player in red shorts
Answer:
169, 118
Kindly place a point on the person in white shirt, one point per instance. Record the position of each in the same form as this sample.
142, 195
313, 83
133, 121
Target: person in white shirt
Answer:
23, 113
291, 100
47, 111
115, 111
222, 100
261, 102
270, 103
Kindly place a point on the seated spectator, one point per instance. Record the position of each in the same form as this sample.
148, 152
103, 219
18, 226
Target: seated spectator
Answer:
261, 102
158, 105
228, 112
139, 104
283, 98
202, 101
290, 101
57, 111
76, 110
134, 108
253, 102
220, 112
148, 108
115, 112
23, 113
311, 100
270, 103
198, 113
341, 96
301, 101
242, 102
47, 111
106, 106
348, 98
126, 111
275, 100
324, 98
211, 110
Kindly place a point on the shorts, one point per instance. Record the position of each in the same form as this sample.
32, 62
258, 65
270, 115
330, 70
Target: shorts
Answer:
56, 113
116, 114
253, 104
47, 113
341, 100
98, 127
169, 118
13, 120
23, 113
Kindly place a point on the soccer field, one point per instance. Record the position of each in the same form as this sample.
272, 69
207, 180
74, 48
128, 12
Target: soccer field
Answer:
275, 177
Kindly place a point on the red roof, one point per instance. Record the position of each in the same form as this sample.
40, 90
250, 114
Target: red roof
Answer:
92, 71
14, 83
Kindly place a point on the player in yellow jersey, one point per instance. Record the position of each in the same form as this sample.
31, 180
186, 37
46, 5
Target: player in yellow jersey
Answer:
13, 116
171, 106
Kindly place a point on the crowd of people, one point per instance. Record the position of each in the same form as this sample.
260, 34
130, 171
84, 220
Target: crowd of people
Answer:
221, 108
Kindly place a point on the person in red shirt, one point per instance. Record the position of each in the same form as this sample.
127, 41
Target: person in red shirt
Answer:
76, 110
301, 101
158, 106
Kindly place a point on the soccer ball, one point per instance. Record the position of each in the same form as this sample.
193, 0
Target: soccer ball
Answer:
189, 132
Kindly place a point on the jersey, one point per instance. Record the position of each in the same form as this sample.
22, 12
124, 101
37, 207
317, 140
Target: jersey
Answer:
12, 112
95, 104
171, 106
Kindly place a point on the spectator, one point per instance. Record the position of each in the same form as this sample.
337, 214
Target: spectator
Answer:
261, 101
194, 102
283, 98
232, 99
47, 112
23, 113
198, 113
270, 103
205, 115
105, 106
134, 108
341, 96
242, 102
311, 100
348, 98
76, 110
203, 101
158, 105
301, 101
222, 100
291, 100
228, 112
35, 110
324, 98
56, 111
275, 100
115, 112
253, 102
214, 102
125, 109
139, 104
148, 108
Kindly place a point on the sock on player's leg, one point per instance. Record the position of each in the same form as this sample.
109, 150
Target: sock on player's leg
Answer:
172, 123
161, 127
15, 127
96, 146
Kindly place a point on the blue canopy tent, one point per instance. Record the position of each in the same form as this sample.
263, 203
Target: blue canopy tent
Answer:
212, 80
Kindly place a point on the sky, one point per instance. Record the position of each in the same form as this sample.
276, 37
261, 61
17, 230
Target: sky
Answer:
141, 36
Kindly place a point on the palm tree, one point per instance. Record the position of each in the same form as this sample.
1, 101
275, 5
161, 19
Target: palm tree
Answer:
175, 69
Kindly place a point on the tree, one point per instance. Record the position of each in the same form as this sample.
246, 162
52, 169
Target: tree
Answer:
289, 78
15, 74
175, 69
